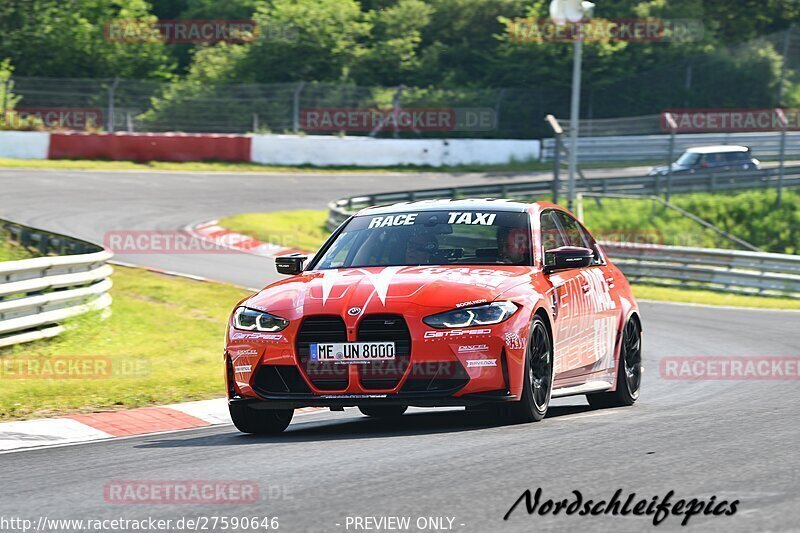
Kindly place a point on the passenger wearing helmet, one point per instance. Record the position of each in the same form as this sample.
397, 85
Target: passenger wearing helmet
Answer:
514, 246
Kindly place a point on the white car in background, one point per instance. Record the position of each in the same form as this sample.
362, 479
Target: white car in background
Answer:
720, 158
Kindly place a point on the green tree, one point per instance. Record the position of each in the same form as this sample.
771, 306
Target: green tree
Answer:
53, 38
393, 56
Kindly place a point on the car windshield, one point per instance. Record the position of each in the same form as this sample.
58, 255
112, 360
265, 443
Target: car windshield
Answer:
465, 237
688, 159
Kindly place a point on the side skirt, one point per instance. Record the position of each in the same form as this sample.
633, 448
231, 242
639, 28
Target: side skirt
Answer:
585, 388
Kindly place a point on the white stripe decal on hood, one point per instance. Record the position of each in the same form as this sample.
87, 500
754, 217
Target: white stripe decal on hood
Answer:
380, 281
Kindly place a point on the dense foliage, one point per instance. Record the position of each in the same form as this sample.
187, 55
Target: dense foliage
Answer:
452, 45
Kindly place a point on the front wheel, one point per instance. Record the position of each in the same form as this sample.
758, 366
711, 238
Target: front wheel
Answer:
538, 376
259, 421
629, 371
383, 411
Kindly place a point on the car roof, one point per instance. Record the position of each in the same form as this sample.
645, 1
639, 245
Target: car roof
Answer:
717, 148
488, 204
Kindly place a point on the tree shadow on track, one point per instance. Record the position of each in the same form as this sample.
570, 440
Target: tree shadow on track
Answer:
355, 428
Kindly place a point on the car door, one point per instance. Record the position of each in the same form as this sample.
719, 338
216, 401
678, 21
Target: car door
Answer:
606, 302
593, 328
568, 303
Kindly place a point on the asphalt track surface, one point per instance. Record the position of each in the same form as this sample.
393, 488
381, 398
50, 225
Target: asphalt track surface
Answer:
729, 439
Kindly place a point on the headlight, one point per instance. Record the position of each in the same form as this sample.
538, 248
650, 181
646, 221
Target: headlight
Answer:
252, 320
480, 315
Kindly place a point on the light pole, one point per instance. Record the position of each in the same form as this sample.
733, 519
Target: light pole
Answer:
563, 11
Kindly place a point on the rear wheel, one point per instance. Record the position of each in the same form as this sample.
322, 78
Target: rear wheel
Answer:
538, 376
383, 411
629, 371
259, 421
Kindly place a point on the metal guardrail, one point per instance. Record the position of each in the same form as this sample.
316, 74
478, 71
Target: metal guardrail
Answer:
339, 210
656, 147
733, 271
36, 295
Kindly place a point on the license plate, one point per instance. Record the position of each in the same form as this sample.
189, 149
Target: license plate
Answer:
352, 352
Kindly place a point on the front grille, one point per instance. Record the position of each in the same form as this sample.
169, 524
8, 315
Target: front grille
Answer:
279, 379
383, 375
324, 376
441, 376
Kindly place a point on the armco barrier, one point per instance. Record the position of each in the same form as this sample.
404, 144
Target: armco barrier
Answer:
656, 147
733, 271
641, 185
36, 295
150, 146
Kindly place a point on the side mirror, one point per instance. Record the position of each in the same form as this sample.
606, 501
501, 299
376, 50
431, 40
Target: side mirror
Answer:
290, 264
567, 257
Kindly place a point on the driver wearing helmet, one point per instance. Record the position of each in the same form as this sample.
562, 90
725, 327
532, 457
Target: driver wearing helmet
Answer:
420, 248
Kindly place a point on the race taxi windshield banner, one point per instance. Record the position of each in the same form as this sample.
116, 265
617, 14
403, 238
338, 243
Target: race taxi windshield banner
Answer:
503, 219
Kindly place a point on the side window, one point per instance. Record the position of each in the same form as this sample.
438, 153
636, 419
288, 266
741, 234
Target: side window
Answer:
551, 234
598, 257
578, 236
572, 230
339, 250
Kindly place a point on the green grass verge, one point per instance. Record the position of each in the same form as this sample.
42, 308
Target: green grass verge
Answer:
301, 229
305, 230
220, 166
10, 251
163, 340
704, 297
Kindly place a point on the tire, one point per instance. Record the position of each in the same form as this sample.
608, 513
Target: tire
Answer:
537, 380
629, 371
259, 421
383, 411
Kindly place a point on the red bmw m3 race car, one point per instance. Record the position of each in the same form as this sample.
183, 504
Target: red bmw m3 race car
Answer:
488, 304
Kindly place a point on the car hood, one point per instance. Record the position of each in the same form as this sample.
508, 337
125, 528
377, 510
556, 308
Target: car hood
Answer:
374, 289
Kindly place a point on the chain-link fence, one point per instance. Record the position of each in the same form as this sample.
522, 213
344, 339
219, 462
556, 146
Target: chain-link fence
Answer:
144, 106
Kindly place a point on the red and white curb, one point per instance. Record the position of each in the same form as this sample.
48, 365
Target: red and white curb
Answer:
214, 233
116, 424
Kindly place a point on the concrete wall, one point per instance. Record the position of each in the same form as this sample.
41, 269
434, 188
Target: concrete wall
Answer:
150, 146
321, 150
317, 150
24, 144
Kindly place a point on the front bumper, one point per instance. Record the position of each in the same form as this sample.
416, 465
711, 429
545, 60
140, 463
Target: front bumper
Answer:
433, 367
295, 401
